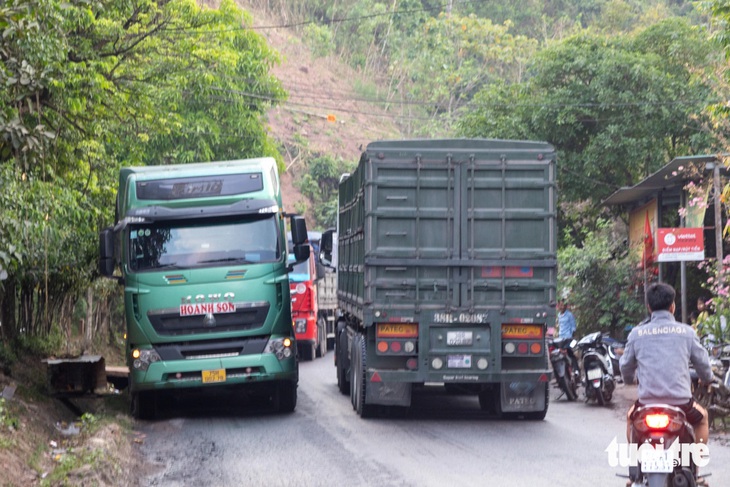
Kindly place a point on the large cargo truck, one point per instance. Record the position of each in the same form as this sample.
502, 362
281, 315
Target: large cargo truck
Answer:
446, 273
201, 250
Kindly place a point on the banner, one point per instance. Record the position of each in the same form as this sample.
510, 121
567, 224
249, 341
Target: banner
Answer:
678, 244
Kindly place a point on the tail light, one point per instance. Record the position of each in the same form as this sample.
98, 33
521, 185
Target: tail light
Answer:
657, 421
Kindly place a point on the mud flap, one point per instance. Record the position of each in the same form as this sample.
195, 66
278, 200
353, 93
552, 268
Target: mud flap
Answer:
388, 393
522, 397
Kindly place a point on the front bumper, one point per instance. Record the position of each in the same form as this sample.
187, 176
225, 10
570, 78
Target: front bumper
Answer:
239, 371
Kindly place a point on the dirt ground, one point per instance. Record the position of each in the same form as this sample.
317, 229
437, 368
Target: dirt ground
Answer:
44, 442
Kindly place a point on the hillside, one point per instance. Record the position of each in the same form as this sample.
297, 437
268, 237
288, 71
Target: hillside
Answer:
318, 87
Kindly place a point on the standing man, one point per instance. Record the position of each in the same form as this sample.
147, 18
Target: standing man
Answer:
566, 321
566, 328
658, 353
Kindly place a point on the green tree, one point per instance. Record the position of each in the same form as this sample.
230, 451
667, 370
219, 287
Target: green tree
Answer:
90, 85
320, 183
602, 283
616, 109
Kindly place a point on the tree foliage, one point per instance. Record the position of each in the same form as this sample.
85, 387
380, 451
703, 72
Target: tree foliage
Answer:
90, 85
616, 109
319, 183
601, 282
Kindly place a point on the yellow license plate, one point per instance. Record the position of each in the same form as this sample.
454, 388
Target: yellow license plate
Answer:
218, 375
522, 331
397, 330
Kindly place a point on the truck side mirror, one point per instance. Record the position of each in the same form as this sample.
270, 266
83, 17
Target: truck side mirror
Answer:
299, 239
106, 252
298, 231
301, 252
325, 247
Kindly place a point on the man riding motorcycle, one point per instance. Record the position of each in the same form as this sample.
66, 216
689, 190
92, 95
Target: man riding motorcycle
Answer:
658, 353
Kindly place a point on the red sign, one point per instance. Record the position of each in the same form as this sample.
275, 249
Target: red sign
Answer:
678, 244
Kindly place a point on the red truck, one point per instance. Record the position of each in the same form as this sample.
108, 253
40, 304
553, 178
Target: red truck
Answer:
309, 326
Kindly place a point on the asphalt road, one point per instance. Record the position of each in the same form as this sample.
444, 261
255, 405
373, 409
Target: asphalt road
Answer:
443, 440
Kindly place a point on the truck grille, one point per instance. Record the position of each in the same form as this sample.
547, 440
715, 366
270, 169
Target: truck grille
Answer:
201, 349
248, 316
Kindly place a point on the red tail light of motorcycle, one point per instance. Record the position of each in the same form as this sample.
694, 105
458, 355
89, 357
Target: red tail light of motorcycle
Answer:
657, 421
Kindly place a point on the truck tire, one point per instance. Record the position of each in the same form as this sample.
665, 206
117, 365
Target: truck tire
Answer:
358, 378
143, 405
306, 352
321, 337
343, 362
285, 397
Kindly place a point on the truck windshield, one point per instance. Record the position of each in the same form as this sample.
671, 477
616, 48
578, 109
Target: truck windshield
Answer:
203, 243
300, 272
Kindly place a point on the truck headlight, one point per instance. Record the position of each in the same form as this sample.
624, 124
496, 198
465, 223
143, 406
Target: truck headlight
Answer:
300, 325
143, 358
281, 347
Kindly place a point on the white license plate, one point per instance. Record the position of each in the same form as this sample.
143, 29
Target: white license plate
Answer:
594, 374
657, 461
459, 338
459, 361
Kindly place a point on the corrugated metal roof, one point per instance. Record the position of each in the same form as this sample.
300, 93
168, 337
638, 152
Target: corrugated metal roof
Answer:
670, 178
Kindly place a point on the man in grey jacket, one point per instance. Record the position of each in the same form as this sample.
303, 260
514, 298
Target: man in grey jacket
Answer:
658, 353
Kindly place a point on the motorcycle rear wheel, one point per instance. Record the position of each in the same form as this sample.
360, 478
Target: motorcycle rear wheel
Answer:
567, 387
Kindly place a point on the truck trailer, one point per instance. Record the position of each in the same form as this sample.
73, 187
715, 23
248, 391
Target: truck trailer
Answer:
201, 250
446, 273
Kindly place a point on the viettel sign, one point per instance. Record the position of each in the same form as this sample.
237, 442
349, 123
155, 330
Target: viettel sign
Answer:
677, 244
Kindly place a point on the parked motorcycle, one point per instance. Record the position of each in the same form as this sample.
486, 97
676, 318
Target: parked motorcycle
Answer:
597, 368
614, 348
664, 427
561, 359
715, 396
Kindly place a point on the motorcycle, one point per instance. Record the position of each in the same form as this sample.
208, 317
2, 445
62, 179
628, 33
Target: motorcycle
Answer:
715, 396
561, 358
665, 429
615, 347
597, 367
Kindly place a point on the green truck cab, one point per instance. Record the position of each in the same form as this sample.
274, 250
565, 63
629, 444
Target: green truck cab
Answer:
201, 250
446, 261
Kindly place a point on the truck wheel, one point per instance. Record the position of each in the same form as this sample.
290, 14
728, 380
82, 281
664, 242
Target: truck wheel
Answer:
343, 363
321, 337
285, 398
359, 378
306, 352
143, 405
